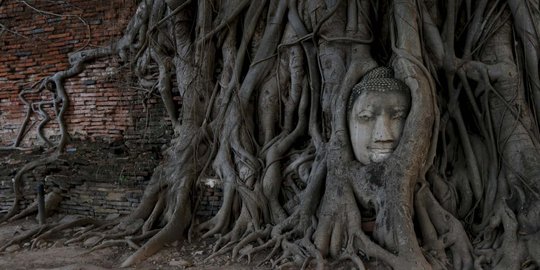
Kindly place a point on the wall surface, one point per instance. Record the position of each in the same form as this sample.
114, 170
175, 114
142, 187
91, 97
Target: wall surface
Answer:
106, 108
36, 38
95, 179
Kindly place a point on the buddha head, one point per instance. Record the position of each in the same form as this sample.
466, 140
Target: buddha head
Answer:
377, 110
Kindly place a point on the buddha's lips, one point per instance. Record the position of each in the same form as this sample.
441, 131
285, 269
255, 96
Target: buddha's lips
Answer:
379, 154
381, 150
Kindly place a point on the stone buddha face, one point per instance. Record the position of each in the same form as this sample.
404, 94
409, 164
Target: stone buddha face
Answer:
376, 119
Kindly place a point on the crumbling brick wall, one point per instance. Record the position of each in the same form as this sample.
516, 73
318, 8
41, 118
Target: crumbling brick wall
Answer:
36, 38
96, 179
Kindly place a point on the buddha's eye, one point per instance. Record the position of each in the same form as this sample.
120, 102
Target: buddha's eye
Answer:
366, 116
399, 115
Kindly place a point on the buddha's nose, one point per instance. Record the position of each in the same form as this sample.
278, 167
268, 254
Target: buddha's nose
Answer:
382, 131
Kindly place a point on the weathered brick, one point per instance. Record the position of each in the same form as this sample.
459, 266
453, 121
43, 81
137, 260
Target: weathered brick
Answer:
23, 53
96, 95
37, 30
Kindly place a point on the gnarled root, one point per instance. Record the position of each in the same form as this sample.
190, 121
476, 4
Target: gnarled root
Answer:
40, 233
504, 249
52, 200
170, 233
441, 231
17, 182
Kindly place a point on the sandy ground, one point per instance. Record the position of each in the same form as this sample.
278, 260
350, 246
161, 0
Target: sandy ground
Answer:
53, 254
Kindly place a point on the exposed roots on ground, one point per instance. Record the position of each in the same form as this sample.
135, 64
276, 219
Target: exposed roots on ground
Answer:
52, 200
43, 232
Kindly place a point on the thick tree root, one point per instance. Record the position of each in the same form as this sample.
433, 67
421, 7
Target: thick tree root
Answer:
63, 226
240, 248
25, 236
111, 243
79, 267
52, 200
44, 232
168, 234
17, 182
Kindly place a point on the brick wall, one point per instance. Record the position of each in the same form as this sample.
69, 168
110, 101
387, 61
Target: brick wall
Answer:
34, 44
96, 179
105, 107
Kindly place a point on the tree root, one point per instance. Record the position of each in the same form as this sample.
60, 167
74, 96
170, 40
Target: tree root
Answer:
256, 235
446, 233
355, 259
17, 182
52, 200
502, 250
79, 267
110, 243
27, 235
114, 233
85, 233
219, 222
226, 248
170, 233
43, 232
63, 226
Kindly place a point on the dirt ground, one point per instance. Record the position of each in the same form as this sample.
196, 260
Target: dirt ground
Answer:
54, 254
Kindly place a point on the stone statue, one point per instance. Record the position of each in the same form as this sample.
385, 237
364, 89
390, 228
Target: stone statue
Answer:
377, 109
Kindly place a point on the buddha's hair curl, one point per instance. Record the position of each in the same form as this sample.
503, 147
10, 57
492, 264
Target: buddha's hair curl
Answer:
380, 79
